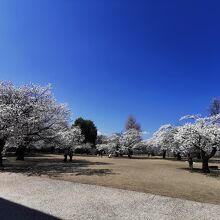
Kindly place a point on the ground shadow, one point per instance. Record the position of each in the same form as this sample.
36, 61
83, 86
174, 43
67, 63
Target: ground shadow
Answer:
56, 167
213, 173
31, 154
11, 211
137, 157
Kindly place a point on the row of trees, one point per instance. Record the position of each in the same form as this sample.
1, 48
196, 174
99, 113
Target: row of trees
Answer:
199, 137
124, 142
196, 136
31, 116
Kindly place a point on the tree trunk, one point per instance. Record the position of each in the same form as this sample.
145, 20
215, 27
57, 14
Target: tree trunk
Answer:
20, 153
164, 154
205, 165
205, 159
178, 156
1, 161
2, 144
198, 156
190, 161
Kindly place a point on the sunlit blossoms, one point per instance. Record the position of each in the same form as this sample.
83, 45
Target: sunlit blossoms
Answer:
143, 147
164, 138
29, 114
130, 137
110, 144
71, 137
202, 135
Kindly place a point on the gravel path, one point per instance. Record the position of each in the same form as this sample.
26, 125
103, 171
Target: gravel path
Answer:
46, 198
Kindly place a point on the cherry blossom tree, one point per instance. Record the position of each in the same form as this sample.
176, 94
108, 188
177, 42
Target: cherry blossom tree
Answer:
164, 138
40, 116
71, 137
101, 139
8, 95
110, 144
29, 114
128, 140
113, 144
202, 135
143, 147
84, 148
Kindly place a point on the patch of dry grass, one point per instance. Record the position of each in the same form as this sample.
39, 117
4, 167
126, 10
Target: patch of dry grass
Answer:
157, 176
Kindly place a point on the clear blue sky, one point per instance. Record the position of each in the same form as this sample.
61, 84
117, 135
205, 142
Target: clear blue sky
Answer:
155, 60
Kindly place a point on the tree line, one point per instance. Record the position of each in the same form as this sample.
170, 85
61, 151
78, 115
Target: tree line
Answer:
196, 136
30, 116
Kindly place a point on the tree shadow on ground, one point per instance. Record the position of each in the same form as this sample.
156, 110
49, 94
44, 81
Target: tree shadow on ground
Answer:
136, 157
11, 211
168, 158
55, 167
213, 173
31, 154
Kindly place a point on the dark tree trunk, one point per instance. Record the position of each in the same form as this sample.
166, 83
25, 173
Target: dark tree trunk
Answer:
2, 144
205, 159
130, 153
178, 156
1, 161
164, 154
205, 165
198, 156
190, 161
20, 152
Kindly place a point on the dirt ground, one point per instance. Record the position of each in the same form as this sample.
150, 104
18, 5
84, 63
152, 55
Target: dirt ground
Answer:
163, 177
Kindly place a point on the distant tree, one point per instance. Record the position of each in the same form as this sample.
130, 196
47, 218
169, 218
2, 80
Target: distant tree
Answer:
89, 130
215, 106
129, 139
71, 137
164, 138
132, 124
110, 144
101, 139
143, 147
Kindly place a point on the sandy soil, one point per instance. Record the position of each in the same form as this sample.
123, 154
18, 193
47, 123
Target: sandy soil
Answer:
156, 176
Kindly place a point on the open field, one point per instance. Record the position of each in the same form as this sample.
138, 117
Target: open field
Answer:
156, 176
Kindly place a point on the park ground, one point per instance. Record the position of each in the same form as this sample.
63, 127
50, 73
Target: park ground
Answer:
30, 197
149, 175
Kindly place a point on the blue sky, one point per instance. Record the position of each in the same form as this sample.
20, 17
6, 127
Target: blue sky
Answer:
155, 60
